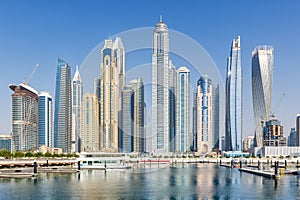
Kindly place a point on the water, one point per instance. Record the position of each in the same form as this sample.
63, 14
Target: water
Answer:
188, 181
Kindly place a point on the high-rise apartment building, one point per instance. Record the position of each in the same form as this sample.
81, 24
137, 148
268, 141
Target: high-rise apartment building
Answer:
172, 105
77, 95
5, 142
233, 118
160, 89
137, 87
298, 130
204, 115
195, 119
183, 123
216, 117
112, 80
292, 138
126, 142
24, 117
89, 123
45, 120
63, 107
262, 78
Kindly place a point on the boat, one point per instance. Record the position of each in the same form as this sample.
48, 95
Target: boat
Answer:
103, 161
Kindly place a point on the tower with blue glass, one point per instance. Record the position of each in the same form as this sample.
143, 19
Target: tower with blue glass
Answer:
63, 107
233, 118
45, 120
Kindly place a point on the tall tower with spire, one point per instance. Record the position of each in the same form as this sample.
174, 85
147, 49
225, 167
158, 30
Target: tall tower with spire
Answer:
160, 89
77, 94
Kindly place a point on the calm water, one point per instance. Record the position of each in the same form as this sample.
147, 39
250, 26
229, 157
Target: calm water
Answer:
189, 181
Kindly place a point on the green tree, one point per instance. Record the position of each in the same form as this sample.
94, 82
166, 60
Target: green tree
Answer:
38, 154
4, 153
48, 155
18, 154
29, 154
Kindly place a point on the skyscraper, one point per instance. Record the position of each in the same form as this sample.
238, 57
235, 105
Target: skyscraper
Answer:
262, 77
77, 92
233, 118
63, 108
160, 89
127, 130
195, 119
89, 123
45, 120
183, 123
137, 87
172, 105
216, 117
112, 79
24, 117
292, 138
298, 130
204, 115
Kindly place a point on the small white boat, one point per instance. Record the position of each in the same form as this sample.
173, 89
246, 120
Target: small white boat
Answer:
103, 161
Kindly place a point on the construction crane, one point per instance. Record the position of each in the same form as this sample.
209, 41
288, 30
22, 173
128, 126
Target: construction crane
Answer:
276, 108
31, 75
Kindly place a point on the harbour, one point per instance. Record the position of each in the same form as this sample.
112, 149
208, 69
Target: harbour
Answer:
182, 181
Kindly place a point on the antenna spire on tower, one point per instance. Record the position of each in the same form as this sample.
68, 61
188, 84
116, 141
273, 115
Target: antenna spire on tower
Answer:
160, 18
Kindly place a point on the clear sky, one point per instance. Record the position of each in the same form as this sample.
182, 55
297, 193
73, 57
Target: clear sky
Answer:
36, 31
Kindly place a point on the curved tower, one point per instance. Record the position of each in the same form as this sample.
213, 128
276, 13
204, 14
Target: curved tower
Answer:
262, 78
233, 118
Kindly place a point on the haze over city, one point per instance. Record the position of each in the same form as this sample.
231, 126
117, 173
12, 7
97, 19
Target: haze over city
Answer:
40, 32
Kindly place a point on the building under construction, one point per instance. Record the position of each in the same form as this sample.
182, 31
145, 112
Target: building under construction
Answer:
24, 117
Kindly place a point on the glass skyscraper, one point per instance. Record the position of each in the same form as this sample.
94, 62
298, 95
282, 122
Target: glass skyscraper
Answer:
216, 117
24, 117
77, 92
233, 118
5, 142
262, 78
112, 79
63, 107
45, 120
172, 105
137, 87
160, 89
183, 123
126, 133
298, 130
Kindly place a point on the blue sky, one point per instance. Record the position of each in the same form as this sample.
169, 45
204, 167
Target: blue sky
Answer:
41, 31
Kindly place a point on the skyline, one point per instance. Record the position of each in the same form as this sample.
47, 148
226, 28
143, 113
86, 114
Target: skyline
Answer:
31, 50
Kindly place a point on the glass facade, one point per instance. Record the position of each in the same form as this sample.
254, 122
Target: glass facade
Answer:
182, 138
63, 108
45, 120
233, 118
24, 117
5, 142
126, 143
262, 78
137, 87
